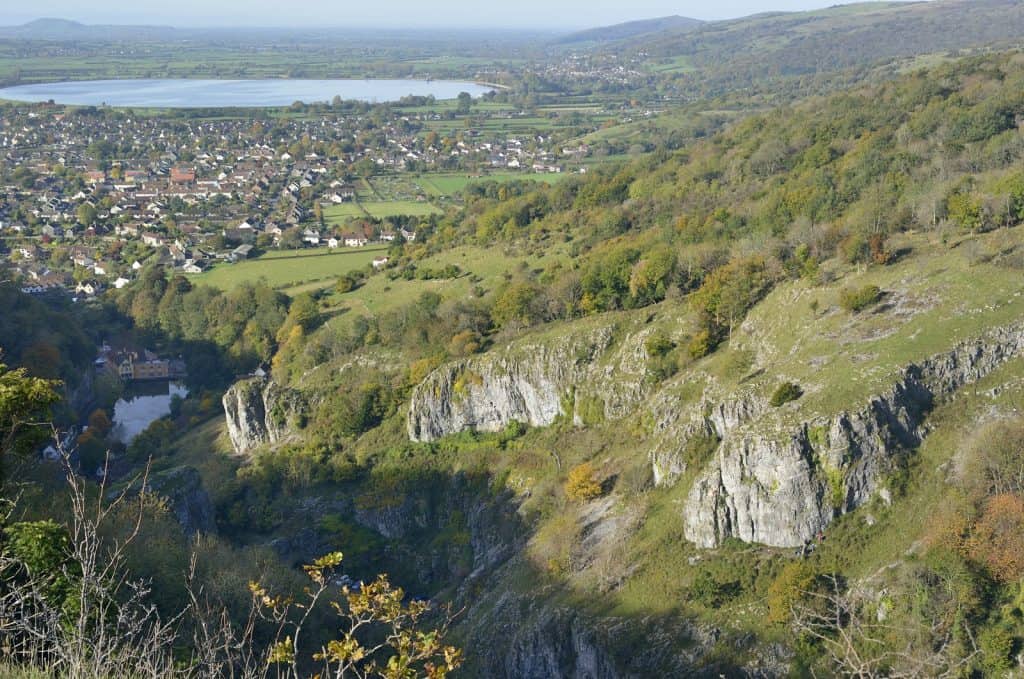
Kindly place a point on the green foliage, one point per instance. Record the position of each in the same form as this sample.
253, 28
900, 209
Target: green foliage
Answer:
997, 646
856, 300
792, 585
590, 410
699, 449
153, 440
24, 403
241, 325
965, 210
516, 305
784, 393
658, 344
724, 299
41, 550
709, 592
702, 343
364, 408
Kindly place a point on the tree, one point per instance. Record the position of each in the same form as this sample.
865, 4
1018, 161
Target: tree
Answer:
997, 538
582, 483
380, 632
24, 404
86, 214
515, 305
994, 464
100, 422
853, 640
465, 103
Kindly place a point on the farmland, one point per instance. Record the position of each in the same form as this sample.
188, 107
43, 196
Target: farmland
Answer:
283, 269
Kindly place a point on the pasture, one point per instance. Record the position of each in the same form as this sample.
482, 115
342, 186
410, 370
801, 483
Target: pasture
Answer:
450, 184
290, 268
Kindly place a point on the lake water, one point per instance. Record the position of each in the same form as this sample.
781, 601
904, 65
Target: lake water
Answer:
165, 93
143, 403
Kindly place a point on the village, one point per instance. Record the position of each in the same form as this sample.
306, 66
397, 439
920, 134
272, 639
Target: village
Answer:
90, 196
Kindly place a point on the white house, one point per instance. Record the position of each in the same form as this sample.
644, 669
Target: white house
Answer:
355, 240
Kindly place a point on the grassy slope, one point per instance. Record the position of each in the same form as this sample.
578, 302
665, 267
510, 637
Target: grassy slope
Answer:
288, 268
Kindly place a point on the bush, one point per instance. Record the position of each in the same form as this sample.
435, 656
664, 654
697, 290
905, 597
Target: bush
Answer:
784, 393
996, 646
793, 583
857, 300
658, 345
702, 344
709, 592
583, 484
993, 463
997, 539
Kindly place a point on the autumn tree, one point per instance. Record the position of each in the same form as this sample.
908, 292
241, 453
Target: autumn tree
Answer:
381, 635
583, 483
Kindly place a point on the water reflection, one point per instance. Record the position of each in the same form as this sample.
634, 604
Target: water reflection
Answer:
143, 402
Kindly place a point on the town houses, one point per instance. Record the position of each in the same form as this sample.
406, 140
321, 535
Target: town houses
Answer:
88, 196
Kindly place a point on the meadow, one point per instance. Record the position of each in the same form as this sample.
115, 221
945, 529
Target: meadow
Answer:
288, 268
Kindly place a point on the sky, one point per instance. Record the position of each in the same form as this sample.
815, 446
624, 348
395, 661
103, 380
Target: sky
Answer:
537, 14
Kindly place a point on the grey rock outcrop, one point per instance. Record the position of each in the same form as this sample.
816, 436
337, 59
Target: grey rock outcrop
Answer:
577, 376
258, 411
781, 487
528, 638
187, 499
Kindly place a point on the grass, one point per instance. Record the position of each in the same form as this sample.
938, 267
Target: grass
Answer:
287, 269
337, 214
394, 208
449, 184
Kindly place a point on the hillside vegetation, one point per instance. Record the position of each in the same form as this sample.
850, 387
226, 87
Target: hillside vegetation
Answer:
751, 407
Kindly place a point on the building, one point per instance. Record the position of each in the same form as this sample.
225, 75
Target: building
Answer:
148, 366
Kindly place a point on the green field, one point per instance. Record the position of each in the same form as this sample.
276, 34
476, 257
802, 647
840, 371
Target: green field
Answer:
282, 269
392, 208
336, 214
448, 184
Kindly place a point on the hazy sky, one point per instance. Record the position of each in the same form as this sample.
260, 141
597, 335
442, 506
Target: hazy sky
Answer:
552, 14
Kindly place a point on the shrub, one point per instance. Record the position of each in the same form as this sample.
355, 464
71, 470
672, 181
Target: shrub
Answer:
658, 345
795, 580
993, 464
996, 646
709, 592
997, 539
702, 344
784, 393
857, 300
582, 483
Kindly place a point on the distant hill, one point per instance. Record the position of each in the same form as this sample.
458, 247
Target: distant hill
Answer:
64, 29
754, 50
632, 29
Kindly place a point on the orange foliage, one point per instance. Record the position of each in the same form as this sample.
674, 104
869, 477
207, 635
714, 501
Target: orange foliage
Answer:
997, 540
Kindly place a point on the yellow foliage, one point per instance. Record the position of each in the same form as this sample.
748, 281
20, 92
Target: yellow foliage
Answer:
583, 483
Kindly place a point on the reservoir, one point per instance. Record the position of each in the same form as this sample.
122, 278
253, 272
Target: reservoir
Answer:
183, 93
142, 403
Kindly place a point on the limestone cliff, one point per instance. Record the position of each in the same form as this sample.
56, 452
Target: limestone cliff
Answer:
259, 411
781, 486
582, 375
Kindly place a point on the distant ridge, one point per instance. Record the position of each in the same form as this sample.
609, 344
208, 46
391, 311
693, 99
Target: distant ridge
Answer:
632, 29
50, 28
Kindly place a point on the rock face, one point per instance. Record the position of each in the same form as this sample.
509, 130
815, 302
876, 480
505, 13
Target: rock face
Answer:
782, 487
577, 376
259, 411
528, 638
182, 488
